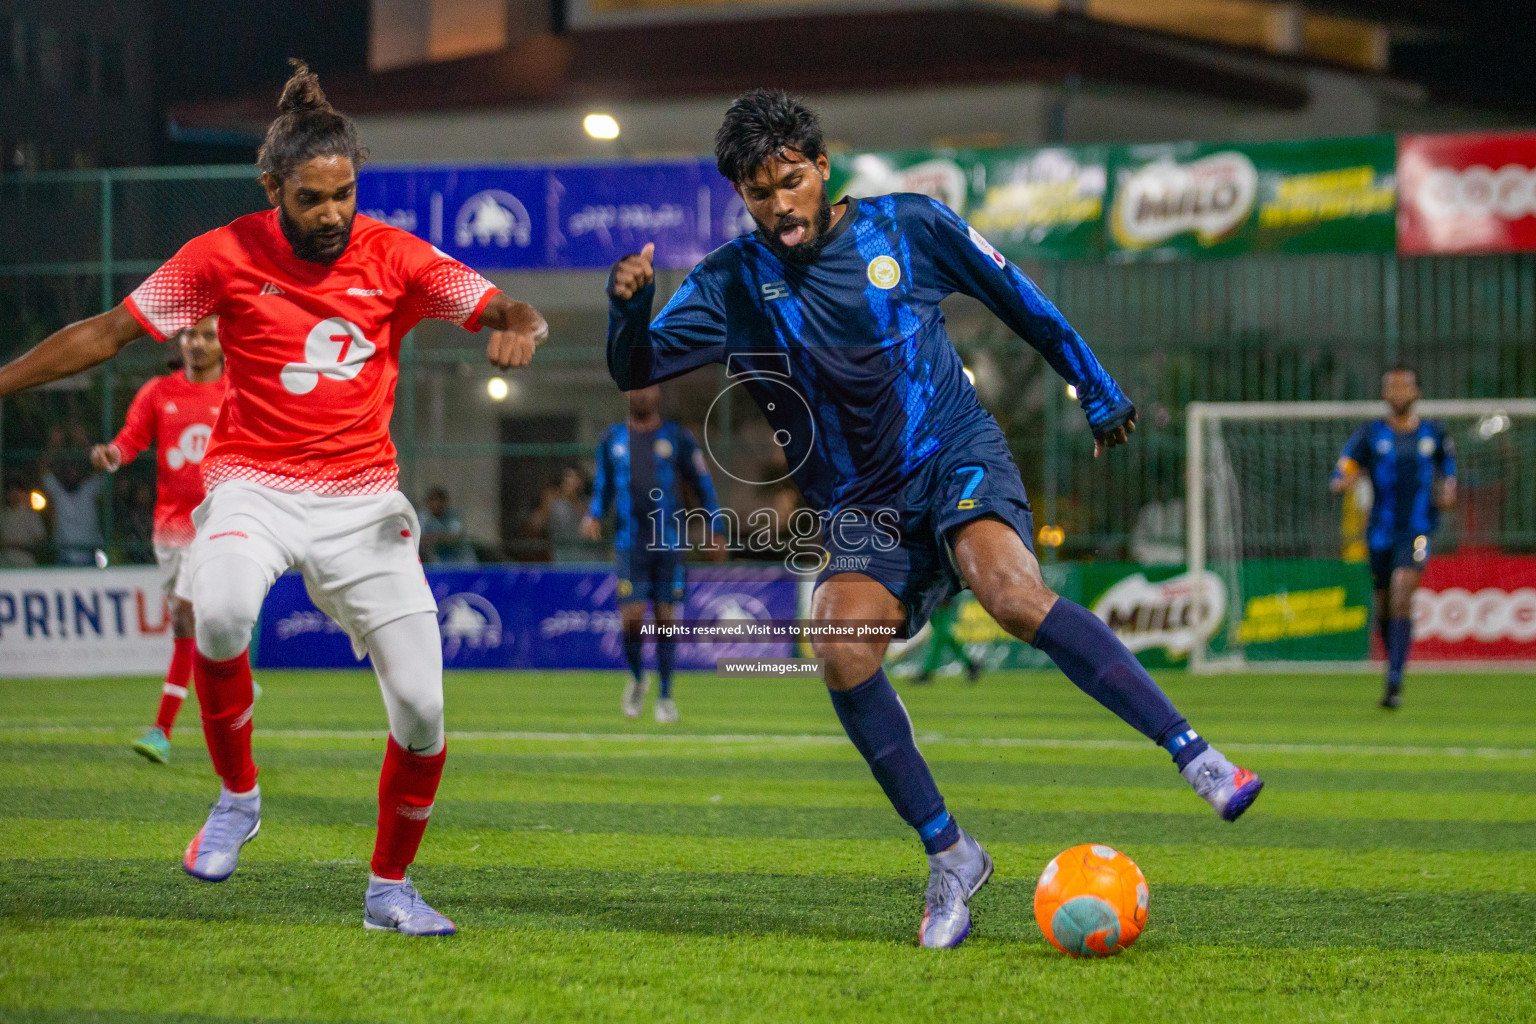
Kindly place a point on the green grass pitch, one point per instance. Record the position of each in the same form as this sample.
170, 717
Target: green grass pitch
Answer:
743, 865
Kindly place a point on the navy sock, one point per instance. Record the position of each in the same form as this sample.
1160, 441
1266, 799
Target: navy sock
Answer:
1399, 639
1092, 656
633, 655
666, 654
876, 721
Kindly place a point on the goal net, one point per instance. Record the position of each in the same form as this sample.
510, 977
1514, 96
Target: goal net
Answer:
1279, 564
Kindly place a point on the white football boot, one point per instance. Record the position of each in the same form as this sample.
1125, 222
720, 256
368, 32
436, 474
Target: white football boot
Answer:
634, 697
954, 876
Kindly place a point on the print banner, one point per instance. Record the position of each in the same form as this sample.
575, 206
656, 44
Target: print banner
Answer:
83, 622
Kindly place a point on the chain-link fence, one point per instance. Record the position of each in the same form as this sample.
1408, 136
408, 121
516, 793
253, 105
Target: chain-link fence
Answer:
1255, 328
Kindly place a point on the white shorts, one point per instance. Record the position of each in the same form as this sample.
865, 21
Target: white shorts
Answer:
171, 560
358, 554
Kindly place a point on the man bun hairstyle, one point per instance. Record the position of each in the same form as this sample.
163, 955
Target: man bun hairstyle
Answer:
307, 126
761, 125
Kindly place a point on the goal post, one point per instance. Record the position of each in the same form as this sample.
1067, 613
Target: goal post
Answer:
1279, 561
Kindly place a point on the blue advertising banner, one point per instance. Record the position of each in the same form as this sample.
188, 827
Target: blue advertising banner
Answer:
559, 218
504, 617
491, 217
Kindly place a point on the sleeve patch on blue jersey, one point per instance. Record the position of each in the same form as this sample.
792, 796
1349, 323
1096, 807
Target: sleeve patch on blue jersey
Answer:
986, 247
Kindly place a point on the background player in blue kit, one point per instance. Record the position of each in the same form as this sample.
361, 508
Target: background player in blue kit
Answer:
887, 439
641, 464
1411, 464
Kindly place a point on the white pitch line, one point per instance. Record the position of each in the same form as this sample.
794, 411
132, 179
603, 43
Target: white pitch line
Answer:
961, 741
830, 739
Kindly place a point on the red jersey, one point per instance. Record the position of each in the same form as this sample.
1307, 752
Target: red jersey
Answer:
177, 416
311, 352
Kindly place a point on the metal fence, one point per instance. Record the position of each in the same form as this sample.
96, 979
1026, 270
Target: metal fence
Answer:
1250, 329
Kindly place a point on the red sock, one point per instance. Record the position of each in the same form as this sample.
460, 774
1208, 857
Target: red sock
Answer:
224, 691
407, 786
176, 679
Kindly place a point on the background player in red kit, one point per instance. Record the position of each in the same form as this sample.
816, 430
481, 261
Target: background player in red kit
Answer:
313, 301
176, 414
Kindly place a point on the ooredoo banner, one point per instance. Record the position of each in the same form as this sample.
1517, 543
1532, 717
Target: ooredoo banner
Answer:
1473, 607
83, 622
1466, 193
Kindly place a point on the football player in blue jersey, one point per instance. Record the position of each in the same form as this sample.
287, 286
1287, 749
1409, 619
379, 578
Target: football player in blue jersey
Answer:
1411, 464
640, 464
886, 438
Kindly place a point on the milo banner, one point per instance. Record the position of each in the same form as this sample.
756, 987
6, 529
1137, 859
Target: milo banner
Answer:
1166, 201
1303, 610
1198, 199
1032, 204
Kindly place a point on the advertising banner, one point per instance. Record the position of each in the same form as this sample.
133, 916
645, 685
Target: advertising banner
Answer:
1467, 193
1298, 609
1476, 608
505, 617
561, 217
1201, 199
1167, 201
83, 622
1301, 609
1032, 204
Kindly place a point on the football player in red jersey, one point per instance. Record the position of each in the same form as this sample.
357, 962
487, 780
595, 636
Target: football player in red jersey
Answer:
175, 413
313, 300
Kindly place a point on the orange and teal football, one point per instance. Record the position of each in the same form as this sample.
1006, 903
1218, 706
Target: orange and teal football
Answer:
1091, 901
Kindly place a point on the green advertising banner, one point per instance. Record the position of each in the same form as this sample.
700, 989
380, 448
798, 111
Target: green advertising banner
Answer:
1193, 199
1032, 204
1294, 610
1167, 201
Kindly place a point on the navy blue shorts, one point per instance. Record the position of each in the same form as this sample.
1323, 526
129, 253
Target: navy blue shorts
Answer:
660, 576
1410, 552
907, 549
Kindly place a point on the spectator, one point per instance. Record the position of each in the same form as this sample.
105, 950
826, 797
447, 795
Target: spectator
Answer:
22, 530
559, 515
443, 540
73, 497
137, 511
567, 509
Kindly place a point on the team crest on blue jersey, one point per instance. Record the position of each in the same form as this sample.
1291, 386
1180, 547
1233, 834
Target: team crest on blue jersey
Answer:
663, 448
1426, 446
884, 272
1384, 446
773, 290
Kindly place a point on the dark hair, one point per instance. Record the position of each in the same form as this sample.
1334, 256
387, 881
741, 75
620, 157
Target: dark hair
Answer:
760, 125
307, 126
437, 492
1403, 368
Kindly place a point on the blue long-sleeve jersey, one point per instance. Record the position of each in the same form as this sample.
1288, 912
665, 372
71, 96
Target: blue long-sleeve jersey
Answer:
641, 521
1403, 469
858, 335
